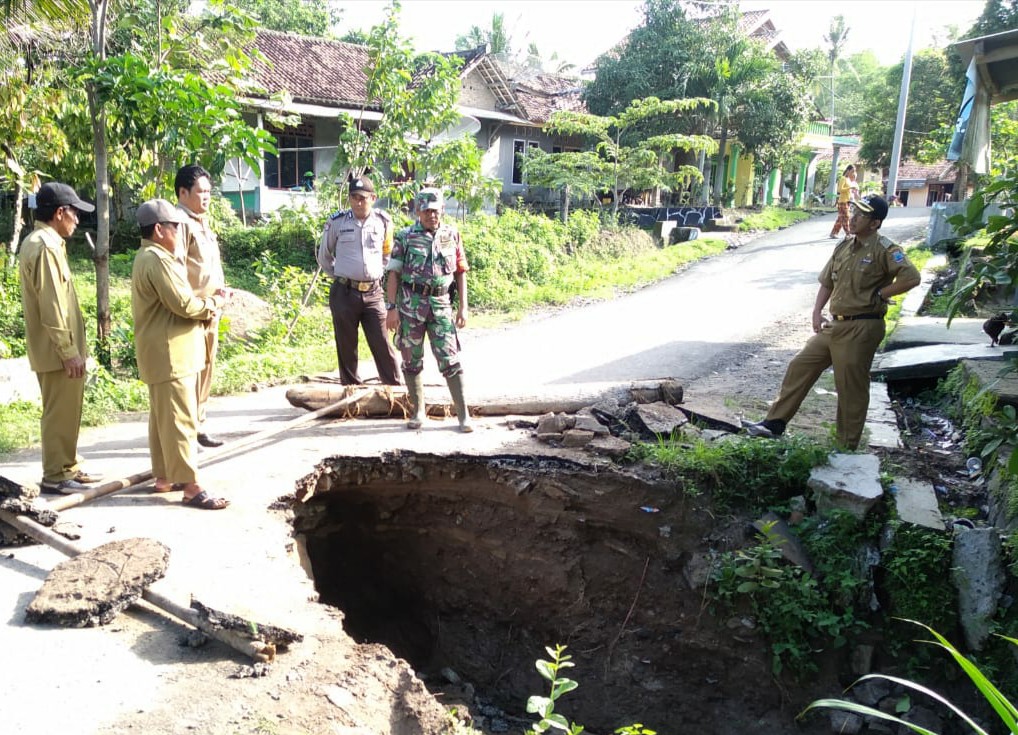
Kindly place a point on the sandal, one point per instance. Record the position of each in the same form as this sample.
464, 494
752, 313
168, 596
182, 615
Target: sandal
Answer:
204, 501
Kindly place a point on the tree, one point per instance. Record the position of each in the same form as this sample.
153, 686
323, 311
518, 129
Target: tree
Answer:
497, 38
836, 37
932, 106
858, 77
997, 16
306, 17
627, 166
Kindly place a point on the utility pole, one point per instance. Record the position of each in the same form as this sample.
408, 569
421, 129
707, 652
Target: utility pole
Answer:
899, 127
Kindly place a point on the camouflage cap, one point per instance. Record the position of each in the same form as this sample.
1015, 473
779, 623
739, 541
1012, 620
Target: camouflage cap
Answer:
430, 198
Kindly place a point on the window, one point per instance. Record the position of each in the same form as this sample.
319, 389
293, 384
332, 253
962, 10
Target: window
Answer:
287, 169
520, 147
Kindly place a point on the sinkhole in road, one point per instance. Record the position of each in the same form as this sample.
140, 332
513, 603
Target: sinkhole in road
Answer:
477, 563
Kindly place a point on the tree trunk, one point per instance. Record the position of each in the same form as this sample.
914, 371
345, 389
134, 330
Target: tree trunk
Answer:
101, 256
720, 173
371, 401
19, 195
564, 203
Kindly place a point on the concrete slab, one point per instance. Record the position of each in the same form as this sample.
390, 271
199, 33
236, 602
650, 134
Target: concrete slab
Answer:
932, 361
989, 373
916, 331
881, 420
915, 298
848, 482
916, 502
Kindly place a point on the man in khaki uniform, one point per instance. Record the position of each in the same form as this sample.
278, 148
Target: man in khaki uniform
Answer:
201, 255
169, 338
864, 272
55, 333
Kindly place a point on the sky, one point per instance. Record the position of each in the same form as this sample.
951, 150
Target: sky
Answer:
580, 30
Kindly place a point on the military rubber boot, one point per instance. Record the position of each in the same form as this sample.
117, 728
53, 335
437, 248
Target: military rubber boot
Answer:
455, 384
415, 389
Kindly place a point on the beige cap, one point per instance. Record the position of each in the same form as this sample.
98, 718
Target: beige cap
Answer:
158, 210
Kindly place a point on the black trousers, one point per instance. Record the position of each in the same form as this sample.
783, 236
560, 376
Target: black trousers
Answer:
351, 310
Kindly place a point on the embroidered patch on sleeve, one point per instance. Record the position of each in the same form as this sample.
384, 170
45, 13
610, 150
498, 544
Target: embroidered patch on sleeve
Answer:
899, 256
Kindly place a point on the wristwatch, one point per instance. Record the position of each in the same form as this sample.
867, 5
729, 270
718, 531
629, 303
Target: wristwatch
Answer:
389, 306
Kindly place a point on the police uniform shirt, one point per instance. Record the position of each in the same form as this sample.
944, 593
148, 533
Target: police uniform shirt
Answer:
169, 335
54, 327
201, 254
354, 249
858, 268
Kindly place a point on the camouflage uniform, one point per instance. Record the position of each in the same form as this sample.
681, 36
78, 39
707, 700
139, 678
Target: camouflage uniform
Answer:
427, 265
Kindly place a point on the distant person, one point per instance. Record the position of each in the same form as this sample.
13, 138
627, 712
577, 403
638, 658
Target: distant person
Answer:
169, 336
204, 262
863, 273
354, 251
848, 192
55, 335
427, 259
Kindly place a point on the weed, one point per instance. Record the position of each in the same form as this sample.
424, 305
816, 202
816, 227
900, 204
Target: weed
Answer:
772, 218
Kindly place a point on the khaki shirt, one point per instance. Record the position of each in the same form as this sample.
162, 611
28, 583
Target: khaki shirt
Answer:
54, 328
858, 268
169, 335
201, 254
354, 249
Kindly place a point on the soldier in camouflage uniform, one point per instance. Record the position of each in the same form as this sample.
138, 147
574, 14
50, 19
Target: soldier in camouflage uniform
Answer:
427, 259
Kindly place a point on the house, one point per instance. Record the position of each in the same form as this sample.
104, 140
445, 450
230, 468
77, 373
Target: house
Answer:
325, 79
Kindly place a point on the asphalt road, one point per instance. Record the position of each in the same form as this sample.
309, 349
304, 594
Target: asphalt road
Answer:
676, 328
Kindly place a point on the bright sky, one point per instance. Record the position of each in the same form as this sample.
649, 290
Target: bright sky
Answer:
580, 30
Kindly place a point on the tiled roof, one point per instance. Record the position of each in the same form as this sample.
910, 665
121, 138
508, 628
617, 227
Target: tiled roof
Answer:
540, 95
313, 70
942, 171
749, 20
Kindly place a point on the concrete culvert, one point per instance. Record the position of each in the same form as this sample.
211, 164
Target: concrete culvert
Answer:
470, 566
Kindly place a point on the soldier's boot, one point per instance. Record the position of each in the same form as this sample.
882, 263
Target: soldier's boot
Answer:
455, 383
415, 389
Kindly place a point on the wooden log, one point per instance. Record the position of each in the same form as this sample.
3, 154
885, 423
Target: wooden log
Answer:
369, 401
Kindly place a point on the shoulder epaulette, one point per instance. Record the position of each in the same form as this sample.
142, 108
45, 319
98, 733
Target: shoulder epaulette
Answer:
386, 217
886, 243
340, 213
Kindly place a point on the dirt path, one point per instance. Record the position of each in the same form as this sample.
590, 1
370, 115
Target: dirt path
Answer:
134, 676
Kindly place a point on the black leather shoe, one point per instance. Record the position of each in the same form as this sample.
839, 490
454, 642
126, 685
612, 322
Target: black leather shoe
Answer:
206, 440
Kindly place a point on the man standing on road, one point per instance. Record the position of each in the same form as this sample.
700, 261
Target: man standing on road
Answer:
193, 185
169, 337
55, 335
427, 258
848, 192
354, 250
864, 272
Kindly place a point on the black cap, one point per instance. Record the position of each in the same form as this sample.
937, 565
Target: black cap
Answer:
361, 183
873, 205
55, 194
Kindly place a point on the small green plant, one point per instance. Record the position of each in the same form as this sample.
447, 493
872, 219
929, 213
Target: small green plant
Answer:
559, 685
1004, 709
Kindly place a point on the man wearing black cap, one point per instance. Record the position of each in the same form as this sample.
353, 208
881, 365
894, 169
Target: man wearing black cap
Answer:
354, 250
864, 272
55, 333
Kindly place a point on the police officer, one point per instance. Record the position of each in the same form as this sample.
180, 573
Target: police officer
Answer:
169, 338
354, 250
55, 335
864, 272
427, 258
201, 255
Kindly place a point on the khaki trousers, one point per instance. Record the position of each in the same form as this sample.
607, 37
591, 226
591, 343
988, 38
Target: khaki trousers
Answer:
205, 376
850, 347
173, 429
61, 421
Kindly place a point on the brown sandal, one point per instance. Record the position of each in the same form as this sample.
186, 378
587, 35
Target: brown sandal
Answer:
204, 501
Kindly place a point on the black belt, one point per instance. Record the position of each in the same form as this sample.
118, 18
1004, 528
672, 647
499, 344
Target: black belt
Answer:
854, 317
426, 289
358, 285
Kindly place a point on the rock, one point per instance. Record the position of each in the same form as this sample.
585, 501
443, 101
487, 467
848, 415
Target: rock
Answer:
916, 502
93, 587
575, 438
698, 570
550, 438
551, 423
848, 482
862, 659
609, 446
450, 676
845, 723
924, 717
871, 691
978, 575
792, 549
652, 420
246, 314
586, 422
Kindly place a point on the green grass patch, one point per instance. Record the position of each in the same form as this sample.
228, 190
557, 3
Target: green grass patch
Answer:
19, 425
771, 218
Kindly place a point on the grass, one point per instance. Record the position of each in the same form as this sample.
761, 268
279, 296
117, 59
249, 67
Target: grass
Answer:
772, 218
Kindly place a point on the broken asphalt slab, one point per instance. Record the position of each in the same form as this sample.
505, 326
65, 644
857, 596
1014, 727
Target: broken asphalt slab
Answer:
932, 361
918, 331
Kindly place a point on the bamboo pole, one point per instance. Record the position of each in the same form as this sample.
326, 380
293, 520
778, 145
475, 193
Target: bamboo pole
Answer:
256, 649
